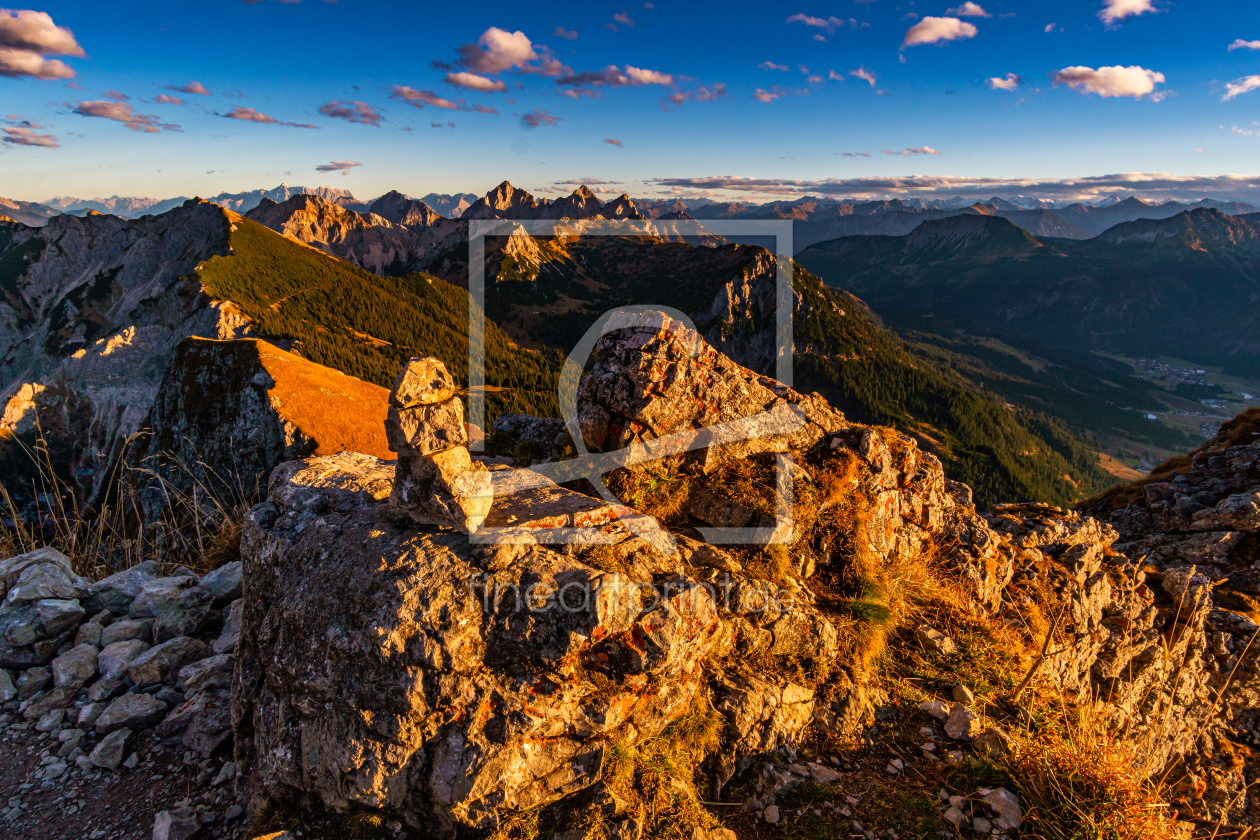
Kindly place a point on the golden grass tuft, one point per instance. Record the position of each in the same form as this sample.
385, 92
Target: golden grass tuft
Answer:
200, 524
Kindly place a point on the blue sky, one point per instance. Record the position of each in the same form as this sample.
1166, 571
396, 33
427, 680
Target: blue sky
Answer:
761, 131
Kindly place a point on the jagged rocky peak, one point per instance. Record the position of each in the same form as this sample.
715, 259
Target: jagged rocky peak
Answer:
969, 229
505, 202
582, 204
1199, 229
621, 207
401, 210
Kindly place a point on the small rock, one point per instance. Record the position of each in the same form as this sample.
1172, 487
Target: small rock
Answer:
954, 758
224, 583
54, 771
51, 720
963, 724
8, 691
980, 825
103, 690
993, 741
771, 814
127, 630
111, 751
963, 695
162, 663
180, 824
76, 666
118, 656
895, 767
935, 641
131, 711
32, 681
228, 772
132, 761
1004, 807
938, 709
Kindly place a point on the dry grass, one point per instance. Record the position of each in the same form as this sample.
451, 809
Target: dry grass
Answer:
659, 776
198, 528
1082, 782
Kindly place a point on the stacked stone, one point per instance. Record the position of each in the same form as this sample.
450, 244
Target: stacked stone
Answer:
436, 481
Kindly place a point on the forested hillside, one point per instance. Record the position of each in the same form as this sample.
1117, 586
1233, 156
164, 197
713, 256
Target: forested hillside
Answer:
344, 317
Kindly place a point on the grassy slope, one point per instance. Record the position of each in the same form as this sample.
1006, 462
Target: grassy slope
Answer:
368, 326
874, 377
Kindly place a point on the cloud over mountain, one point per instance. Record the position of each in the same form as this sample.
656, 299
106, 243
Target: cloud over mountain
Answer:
26, 37
342, 166
1109, 82
1156, 185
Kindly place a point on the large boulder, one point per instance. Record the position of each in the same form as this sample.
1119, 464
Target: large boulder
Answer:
458, 685
655, 377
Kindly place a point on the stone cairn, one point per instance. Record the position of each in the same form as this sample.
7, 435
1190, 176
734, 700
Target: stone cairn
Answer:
436, 481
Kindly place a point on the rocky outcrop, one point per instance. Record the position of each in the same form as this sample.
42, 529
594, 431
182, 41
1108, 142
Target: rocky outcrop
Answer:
655, 378
1195, 528
231, 411
475, 678
370, 241
91, 323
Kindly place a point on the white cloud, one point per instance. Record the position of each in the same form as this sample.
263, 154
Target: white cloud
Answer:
613, 76
1245, 132
1110, 82
538, 117
968, 9
26, 37
910, 152
250, 115
27, 137
420, 98
1117, 10
1009, 82
1240, 86
353, 111
1240, 44
342, 166
770, 65
863, 74
471, 81
567, 34
829, 24
1050, 27
168, 100
192, 87
610, 141
834, 76
932, 30
623, 17
123, 113
498, 50
765, 95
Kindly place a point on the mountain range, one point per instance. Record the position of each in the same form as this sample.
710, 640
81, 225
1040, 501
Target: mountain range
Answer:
91, 307
1186, 286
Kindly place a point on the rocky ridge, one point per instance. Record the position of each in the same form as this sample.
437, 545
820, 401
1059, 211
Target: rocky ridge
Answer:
463, 709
